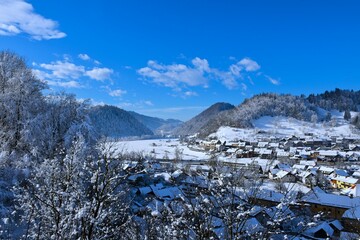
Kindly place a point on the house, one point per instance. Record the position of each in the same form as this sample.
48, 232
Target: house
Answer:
296, 188
332, 205
298, 144
281, 154
262, 144
353, 156
282, 175
192, 184
299, 167
166, 193
344, 182
326, 170
305, 154
349, 235
279, 212
242, 145
308, 178
340, 172
139, 179
231, 151
322, 230
354, 147
356, 174
265, 197
283, 166
274, 145
337, 226
328, 155
309, 163
143, 191
264, 153
351, 219
250, 227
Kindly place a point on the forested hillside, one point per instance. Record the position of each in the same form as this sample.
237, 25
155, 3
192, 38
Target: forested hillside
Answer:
266, 104
113, 122
342, 100
198, 122
157, 125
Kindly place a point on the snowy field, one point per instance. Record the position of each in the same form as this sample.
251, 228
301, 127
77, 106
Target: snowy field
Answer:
161, 149
275, 126
284, 126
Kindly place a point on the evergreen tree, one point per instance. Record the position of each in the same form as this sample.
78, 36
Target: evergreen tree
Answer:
328, 117
347, 115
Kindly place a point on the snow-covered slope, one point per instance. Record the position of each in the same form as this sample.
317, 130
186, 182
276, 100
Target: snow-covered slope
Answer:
267, 104
291, 126
286, 126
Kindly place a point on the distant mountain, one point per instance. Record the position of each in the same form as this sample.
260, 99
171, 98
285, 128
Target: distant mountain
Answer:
197, 123
157, 125
114, 122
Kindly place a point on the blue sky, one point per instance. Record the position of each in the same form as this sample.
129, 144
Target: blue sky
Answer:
172, 59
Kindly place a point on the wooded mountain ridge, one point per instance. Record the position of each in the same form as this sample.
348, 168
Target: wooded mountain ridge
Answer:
313, 108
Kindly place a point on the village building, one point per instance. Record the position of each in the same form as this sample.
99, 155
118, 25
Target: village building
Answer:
331, 205
351, 219
342, 182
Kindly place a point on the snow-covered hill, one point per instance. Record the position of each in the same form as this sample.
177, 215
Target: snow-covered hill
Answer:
287, 126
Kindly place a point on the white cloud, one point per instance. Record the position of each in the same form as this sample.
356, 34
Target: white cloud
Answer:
126, 105
273, 80
63, 69
201, 64
52, 80
245, 64
178, 76
41, 74
244, 86
99, 74
18, 16
149, 103
190, 94
117, 93
84, 56
66, 84
61, 73
249, 64
8, 30
228, 79
235, 69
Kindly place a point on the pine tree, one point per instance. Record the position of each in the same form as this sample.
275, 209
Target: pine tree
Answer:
347, 115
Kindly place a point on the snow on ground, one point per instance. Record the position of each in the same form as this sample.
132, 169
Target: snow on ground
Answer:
290, 126
285, 126
161, 149
234, 134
